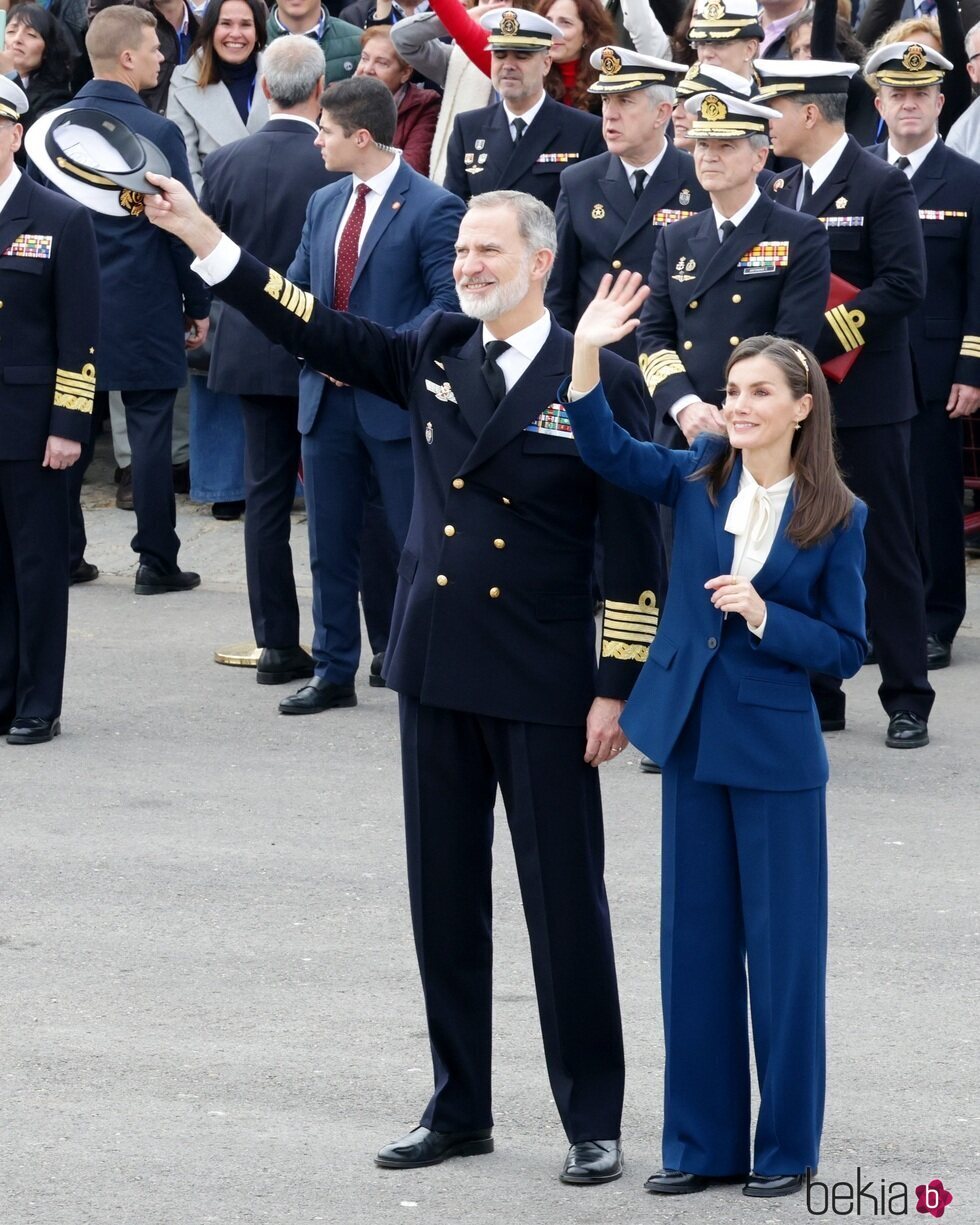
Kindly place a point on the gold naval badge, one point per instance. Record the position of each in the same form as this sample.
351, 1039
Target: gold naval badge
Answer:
610, 63
840, 202
598, 212
713, 109
714, 10
684, 199
509, 25
914, 58
132, 202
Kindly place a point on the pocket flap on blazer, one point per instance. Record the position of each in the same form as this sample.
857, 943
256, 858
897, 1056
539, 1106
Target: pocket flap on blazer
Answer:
28, 375
662, 651
778, 695
408, 563
22, 263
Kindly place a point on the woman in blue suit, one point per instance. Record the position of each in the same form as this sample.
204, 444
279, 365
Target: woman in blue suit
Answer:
766, 584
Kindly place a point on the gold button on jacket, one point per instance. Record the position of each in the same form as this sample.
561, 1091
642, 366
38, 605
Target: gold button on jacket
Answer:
441, 580
494, 593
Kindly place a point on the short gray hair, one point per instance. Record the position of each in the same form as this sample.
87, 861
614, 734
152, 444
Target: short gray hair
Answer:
660, 93
758, 140
972, 38
535, 221
292, 66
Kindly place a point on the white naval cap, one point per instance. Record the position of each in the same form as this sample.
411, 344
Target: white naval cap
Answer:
711, 78
722, 21
622, 70
727, 117
784, 78
13, 100
906, 65
518, 30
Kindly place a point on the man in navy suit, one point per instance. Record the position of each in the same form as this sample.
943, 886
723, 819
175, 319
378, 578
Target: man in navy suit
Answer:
945, 329
742, 268
607, 204
493, 652
379, 244
872, 222
524, 141
153, 307
49, 296
258, 190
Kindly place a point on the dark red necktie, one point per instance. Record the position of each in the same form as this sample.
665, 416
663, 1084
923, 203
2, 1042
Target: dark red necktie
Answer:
347, 250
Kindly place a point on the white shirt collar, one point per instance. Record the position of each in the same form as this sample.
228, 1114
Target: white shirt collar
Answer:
8, 186
916, 157
650, 167
528, 116
528, 341
743, 212
821, 169
383, 179
297, 118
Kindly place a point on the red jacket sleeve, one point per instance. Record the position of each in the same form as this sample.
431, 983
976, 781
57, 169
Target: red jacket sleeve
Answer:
470, 38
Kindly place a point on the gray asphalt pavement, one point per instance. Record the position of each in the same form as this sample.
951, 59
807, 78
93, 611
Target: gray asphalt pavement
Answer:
209, 1005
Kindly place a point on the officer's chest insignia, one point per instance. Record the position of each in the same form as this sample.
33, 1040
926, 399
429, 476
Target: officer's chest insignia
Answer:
765, 257
684, 199
134, 202
469, 159
557, 159
683, 270
31, 246
479, 144
552, 421
667, 216
441, 391
779, 185
933, 214
598, 212
474, 169
428, 432
843, 223
840, 202
482, 158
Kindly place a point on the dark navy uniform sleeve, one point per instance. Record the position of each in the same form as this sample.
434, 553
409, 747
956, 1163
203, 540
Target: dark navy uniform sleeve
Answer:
656, 337
456, 180
76, 304
562, 292
804, 297
968, 362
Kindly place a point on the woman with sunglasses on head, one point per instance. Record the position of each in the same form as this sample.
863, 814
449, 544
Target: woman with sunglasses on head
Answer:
766, 585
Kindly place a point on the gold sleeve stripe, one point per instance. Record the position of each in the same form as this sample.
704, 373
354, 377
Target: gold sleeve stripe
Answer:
656, 367
78, 404
630, 651
629, 623
647, 603
971, 346
847, 325
289, 295
73, 380
85, 375
624, 620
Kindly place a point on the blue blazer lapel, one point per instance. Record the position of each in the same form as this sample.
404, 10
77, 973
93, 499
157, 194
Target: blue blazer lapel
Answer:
473, 399
782, 553
326, 230
388, 210
725, 540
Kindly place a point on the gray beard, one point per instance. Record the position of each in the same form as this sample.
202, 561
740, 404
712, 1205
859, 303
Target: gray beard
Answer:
500, 300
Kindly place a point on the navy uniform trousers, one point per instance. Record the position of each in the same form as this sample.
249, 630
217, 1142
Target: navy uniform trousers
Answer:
743, 878
452, 763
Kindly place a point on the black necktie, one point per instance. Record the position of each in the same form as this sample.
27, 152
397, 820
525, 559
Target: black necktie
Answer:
807, 190
902, 163
639, 182
519, 128
492, 372
727, 229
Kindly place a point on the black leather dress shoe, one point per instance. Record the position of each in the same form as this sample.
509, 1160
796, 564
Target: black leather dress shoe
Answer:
182, 477
227, 512
677, 1182
84, 572
124, 489
33, 731
423, 1147
316, 696
592, 1161
907, 731
278, 665
156, 582
939, 654
375, 679
764, 1187
830, 724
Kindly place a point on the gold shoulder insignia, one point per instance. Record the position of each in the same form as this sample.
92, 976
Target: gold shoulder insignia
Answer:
289, 295
75, 389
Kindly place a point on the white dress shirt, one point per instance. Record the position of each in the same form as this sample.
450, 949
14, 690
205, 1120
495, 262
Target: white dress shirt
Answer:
295, 118
8, 186
528, 115
916, 157
650, 167
378, 185
525, 345
823, 167
753, 519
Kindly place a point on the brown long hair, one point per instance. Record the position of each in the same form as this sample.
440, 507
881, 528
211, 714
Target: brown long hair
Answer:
598, 31
203, 44
821, 500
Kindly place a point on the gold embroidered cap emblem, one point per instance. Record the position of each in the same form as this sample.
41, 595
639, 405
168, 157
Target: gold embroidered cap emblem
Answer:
509, 25
714, 10
610, 63
914, 58
132, 202
713, 109
598, 212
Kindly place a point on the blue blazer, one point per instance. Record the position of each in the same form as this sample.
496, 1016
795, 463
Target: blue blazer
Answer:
404, 273
759, 724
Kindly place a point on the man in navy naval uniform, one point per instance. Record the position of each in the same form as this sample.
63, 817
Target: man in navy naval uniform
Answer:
742, 268
524, 141
872, 222
49, 297
258, 189
612, 207
945, 329
492, 652
154, 308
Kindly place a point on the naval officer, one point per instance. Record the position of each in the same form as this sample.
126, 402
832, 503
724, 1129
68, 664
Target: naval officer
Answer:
741, 268
49, 308
870, 213
492, 652
945, 329
524, 141
611, 208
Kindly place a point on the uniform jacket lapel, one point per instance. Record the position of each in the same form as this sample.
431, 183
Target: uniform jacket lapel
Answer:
534, 391
657, 193
546, 126
499, 149
931, 175
725, 257
388, 210
17, 213
463, 373
326, 230
836, 182
616, 189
